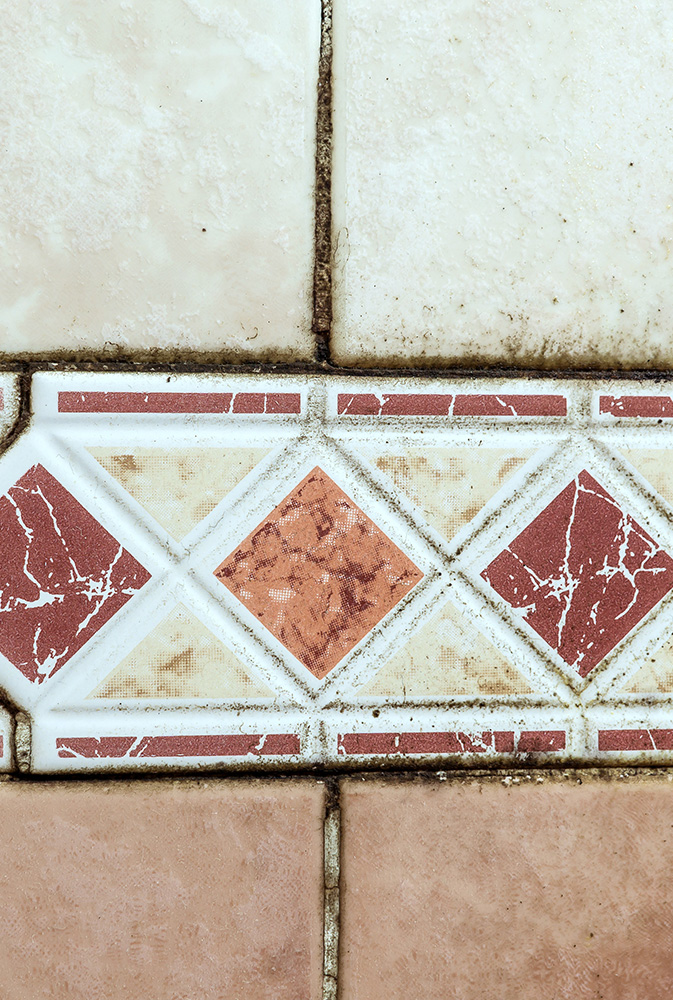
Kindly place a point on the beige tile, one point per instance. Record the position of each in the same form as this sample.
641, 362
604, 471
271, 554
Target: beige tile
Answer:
181, 658
543, 890
161, 890
656, 673
157, 182
446, 657
179, 486
502, 183
655, 465
449, 485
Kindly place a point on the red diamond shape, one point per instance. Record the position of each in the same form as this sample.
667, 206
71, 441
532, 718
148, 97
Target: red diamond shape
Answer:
318, 573
62, 577
584, 573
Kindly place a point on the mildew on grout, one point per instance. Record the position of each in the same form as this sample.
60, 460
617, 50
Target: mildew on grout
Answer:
322, 273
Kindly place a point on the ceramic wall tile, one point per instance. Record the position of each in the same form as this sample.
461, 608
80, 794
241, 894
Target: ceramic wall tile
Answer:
501, 183
157, 183
540, 885
119, 890
242, 572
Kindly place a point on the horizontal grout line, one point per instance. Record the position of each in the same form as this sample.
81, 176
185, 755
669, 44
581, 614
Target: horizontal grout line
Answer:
604, 771
31, 366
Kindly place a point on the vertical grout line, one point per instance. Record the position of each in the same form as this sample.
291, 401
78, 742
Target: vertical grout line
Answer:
332, 872
322, 268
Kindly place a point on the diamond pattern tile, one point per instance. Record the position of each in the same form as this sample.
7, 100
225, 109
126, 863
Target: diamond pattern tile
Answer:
318, 573
583, 574
245, 572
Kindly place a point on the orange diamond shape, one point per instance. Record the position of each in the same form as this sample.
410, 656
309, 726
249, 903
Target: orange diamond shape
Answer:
318, 573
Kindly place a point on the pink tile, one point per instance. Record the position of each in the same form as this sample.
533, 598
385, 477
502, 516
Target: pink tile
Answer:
549, 889
583, 572
161, 890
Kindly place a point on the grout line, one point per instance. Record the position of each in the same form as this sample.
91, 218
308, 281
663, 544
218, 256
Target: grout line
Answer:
322, 269
331, 905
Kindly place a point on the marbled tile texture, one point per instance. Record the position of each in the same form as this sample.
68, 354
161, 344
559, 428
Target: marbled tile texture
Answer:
582, 574
157, 182
318, 573
502, 183
63, 575
179, 487
181, 658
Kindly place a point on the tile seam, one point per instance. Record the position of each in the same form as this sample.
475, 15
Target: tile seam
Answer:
331, 889
322, 266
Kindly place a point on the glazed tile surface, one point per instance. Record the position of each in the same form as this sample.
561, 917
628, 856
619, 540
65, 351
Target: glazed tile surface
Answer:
501, 184
158, 174
244, 572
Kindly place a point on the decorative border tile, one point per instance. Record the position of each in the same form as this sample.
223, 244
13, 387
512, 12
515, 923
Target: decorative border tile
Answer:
358, 519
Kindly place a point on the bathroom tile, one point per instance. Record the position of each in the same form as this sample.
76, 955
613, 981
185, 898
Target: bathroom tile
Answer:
158, 173
547, 886
161, 890
280, 572
501, 184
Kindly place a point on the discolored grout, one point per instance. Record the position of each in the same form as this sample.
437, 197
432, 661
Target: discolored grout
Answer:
331, 905
322, 268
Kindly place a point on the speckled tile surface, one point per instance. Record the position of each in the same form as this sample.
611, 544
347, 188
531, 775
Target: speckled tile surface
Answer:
501, 186
157, 184
282, 572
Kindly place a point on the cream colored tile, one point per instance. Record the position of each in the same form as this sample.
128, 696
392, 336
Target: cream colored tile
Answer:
180, 658
448, 656
157, 181
179, 486
449, 485
503, 177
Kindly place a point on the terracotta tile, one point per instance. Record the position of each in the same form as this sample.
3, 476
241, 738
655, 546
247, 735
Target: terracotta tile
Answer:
489, 889
161, 890
318, 573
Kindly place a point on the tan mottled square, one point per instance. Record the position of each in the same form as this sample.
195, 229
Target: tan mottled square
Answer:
158, 173
181, 658
449, 485
448, 656
179, 486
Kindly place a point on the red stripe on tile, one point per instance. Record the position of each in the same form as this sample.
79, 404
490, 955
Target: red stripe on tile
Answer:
444, 404
637, 406
395, 404
2, 399
635, 739
236, 745
542, 741
510, 406
438, 743
179, 402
